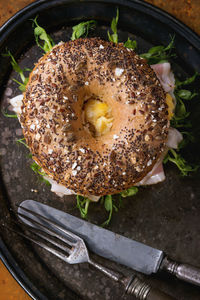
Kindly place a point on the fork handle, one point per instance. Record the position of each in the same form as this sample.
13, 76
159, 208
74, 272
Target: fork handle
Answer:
133, 285
116, 276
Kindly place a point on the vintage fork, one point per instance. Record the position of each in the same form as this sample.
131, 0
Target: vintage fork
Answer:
72, 249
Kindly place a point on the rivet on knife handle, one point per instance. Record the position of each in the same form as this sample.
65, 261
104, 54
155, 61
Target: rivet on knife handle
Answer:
143, 291
182, 271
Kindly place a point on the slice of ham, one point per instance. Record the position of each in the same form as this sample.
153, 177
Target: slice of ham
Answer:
60, 190
167, 80
165, 75
174, 138
16, 103
157, 173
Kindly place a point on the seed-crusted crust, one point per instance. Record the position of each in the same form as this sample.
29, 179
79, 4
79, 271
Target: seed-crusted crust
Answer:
52, 116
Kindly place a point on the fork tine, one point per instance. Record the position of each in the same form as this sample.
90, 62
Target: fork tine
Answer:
42, 245
59, 227
48, 239
50, 222
47, 230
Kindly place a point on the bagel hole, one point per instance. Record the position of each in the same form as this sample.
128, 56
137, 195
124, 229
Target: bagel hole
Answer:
97, 116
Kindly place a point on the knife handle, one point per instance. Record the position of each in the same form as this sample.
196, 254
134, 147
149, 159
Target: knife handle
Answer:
143, 291
182, 271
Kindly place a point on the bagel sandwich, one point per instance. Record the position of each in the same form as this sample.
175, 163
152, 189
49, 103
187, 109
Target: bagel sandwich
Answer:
96, 117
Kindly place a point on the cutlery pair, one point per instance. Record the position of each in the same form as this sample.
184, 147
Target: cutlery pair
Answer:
71, 248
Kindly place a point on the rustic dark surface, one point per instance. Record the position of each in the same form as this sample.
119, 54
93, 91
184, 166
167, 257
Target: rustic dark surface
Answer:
187, 11
165, 216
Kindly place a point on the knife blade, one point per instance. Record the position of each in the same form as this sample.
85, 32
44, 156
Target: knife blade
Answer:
115, 247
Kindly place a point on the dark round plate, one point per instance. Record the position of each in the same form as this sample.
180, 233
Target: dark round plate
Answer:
165, 216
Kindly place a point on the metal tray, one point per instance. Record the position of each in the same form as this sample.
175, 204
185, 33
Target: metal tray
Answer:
165, 216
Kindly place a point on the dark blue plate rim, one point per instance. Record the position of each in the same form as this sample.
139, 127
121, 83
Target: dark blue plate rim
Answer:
34, 8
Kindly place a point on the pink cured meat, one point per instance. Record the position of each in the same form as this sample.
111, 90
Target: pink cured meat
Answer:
165, 76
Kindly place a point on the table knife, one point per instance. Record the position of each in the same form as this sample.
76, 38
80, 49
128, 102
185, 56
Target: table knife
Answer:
133, 254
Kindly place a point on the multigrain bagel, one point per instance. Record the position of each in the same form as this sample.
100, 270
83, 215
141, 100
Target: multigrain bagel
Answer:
53, 116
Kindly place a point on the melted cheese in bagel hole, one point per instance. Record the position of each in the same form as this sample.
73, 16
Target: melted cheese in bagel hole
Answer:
98, 115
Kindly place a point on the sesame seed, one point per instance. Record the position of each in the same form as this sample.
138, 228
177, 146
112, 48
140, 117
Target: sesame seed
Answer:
32, 126
37, 136
82, 150
74, 165
118, 71
149, 163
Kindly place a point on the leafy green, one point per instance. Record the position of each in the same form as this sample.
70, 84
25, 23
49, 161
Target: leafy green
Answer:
37, 169
42, 179
180, 118
40, 34
109, 206
188, 137
21, 141
129, 192
9, 115
82, 29
83, 205
180, 162
159, 54
34, 166
16, 68
187, 81
114, 36
186, 94
130, 44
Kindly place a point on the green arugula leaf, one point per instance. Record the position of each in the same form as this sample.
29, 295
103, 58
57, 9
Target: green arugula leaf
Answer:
42, 179
130, 44
109, 206
129, 192
21, 141
34, 166
186, 94
82, 29
180, 118
114, 36
37, 169
83, 205
16, 68
188, 137
187, 81
22, 86
40, 34
159, 54
9, 115
180, 162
